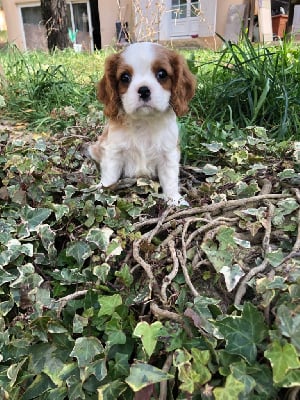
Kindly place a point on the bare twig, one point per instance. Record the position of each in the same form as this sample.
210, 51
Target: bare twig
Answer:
171, 236
268, 228
147, 267
293, 394
266, 187
217, 222
64, 300
186, 275
165, 314
226, 205
168, 279
296, 246
151, 234
164, 384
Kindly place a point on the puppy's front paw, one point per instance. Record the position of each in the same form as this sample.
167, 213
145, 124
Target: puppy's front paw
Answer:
177, 201
183, 203
100, 187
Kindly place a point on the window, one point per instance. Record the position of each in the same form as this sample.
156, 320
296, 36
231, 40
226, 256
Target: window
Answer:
184, 9
78, 15
192, 18
179, 9
34, 31
195, 8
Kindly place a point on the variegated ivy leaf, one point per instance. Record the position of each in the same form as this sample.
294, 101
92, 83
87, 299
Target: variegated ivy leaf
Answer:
232, 275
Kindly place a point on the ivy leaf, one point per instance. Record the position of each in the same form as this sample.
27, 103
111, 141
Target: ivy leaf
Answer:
239, 371
289, 324
53, 367
232, 275
233, 388
142, 375
100, 237
243, 333
57, 394
13, 371
210, 169
200, 361
125, 275
111, 390
121, 365
47, 235
284, 207
96, 368
114, 248
109, 304
217, 257
6, 276
34, 216
291, 379
275, 257
60, 210
75, 390
48, 240
113, 329
283, 358
188, 377
148, 334
226, 238
41, 384
79, 323
246, 190
86, 349
79, 250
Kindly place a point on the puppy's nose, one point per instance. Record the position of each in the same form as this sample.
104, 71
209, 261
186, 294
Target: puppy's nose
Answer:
144, 93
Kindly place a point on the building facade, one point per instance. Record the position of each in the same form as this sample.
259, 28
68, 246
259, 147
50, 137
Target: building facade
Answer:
102, 23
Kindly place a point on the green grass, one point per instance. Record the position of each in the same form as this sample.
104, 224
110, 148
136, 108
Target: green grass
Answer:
251, 84
40, 86
242, 85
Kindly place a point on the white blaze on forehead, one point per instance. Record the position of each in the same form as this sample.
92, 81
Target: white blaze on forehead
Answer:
140, 56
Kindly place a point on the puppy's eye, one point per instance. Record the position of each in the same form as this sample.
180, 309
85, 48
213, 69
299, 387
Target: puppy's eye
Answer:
161, 74
125, 78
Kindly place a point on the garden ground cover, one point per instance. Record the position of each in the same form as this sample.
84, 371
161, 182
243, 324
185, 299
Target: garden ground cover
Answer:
115, 295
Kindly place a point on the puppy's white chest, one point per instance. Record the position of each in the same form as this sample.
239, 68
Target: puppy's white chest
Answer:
142, 150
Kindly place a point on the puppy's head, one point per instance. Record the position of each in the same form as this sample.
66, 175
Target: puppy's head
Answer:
145, 79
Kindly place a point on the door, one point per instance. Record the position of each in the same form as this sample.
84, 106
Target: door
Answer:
193, 18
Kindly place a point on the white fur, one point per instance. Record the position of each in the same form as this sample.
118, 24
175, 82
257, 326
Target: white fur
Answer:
148, 148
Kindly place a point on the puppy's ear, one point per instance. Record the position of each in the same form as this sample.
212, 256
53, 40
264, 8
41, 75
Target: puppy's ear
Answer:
183, 85
108, 88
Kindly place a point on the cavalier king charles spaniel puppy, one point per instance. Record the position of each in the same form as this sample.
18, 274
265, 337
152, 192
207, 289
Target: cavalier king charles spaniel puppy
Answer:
143, 89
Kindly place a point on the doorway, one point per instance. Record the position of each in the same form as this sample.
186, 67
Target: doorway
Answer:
95, 24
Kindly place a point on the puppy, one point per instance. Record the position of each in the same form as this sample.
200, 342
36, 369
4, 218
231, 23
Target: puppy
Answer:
143, 89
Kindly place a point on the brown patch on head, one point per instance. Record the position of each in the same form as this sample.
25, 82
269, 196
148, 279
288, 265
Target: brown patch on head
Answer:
180, 81
124, 76
163, 70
